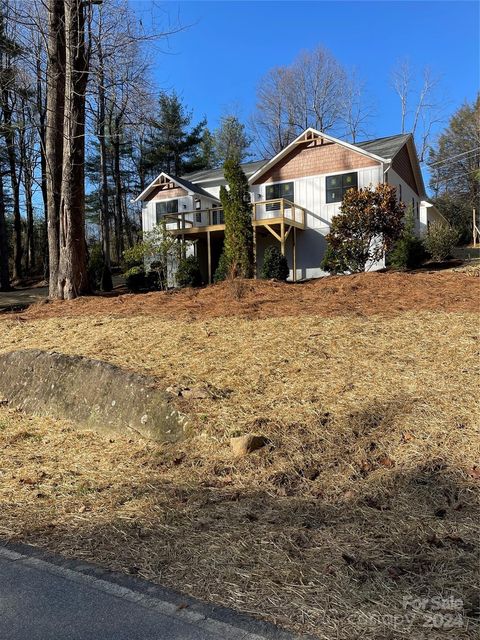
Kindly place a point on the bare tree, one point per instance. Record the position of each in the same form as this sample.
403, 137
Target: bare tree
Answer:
9, 52
272, 122
63, 57
356, 110
401, 79
54, 134
28, 156
421, 109
72, 269
314, 91
317, 90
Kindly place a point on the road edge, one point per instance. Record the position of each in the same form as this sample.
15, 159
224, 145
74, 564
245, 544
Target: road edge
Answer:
223, 621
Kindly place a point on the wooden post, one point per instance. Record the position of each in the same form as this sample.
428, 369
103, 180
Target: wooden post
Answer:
209, 249
282, 236
294, 254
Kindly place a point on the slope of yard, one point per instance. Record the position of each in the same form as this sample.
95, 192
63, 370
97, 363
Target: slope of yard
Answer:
367, 388
361, 294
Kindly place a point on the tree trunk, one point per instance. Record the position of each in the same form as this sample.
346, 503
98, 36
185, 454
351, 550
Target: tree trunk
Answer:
72, 271
15, 183
4, 267
104, 218
119, 240
42, 118
54, 134
26, 145
28, 190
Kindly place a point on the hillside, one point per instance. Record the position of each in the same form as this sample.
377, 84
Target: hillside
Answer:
366, 388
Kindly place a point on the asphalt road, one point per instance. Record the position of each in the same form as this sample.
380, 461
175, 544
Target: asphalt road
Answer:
22, 297
44, 601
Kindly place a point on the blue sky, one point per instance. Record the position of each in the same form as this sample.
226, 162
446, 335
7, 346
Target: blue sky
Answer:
216, 63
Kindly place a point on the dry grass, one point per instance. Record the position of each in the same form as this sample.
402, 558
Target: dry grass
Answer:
368, 492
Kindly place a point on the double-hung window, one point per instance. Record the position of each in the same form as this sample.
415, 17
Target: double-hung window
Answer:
164, 208
337, 186
276, 191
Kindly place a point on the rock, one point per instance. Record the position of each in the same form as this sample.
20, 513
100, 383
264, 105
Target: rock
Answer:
90, 393
195, 393
198, 392
242, 445
175, 390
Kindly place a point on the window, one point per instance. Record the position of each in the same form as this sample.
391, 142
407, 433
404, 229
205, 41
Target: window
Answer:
418, 211
275, 191
337, 186
399, 192
198, 207
163, 208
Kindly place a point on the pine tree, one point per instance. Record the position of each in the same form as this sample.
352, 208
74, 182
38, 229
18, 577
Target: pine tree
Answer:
454, 166
231, 140
173, 147
237, 258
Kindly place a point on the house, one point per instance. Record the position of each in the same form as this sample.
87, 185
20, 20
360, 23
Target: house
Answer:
294, 196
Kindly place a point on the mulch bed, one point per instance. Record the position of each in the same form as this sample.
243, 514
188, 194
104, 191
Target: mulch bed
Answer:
385, 293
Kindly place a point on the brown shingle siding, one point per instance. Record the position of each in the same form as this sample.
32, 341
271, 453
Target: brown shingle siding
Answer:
163, 192
304, 161
401, 164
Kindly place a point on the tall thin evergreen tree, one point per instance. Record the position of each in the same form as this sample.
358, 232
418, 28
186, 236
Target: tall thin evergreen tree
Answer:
237, 259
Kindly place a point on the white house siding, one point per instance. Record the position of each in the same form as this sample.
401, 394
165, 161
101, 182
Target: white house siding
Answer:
214, 190
310, 193
185, 203
408, 196
428, 214
149, 214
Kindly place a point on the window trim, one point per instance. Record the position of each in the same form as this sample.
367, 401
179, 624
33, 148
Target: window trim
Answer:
342, 188
159, 216
276, 206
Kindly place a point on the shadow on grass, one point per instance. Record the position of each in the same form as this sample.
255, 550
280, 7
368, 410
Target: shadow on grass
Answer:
297, 559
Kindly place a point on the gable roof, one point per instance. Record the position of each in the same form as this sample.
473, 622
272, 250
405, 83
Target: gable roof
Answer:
309, 135
212, 175
385, 147
380, 149
192, 188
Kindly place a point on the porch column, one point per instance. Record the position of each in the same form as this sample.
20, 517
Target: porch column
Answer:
209, 250
282, 237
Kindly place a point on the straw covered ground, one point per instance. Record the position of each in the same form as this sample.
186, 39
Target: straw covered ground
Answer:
365, 498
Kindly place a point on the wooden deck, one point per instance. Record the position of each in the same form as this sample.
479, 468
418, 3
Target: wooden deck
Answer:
279, 217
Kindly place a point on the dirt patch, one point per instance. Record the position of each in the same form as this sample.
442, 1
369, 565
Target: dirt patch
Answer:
366, 494
361, 294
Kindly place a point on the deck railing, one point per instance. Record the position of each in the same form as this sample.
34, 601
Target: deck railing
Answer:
279, 208
263, 212
198, 218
